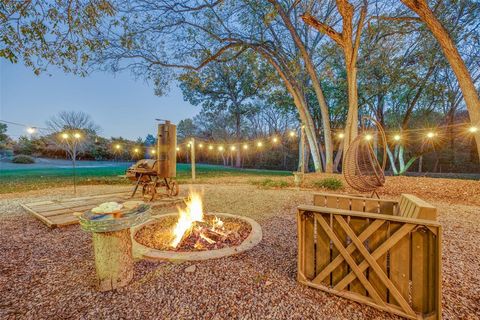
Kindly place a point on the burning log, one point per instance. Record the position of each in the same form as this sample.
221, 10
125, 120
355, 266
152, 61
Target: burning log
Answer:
201, 235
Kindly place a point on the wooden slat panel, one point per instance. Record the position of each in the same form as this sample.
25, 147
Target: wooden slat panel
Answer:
39, 203
322, 251
375, 240
319, 200
67, 210
387, 207
38, 216
372, 206
424, 271
309, 247
369, 215
403, 203
408, 207
60, 205
427, 213
342, 270
60, 212
344, 203
301, 242
331, 202
357, 205
399, 263
357, 225
63, 220
438, 274
393, 236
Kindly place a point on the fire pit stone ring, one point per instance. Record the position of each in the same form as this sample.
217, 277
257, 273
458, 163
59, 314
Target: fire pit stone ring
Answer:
143, 252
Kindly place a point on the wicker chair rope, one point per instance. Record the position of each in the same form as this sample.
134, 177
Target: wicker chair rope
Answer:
361, 168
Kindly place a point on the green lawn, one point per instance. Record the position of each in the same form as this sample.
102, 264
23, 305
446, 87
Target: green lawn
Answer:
23, 179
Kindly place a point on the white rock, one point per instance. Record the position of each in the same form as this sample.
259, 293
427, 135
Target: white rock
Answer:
190, 269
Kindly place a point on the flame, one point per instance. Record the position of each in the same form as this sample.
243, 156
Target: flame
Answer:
186, 217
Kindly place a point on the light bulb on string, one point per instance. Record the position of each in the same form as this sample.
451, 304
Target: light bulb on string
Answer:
292, 134
259, 144
473, 129
152, 151
275, 140
65, 135
368, 137
200, 145
397, 137
232, 148
341, 135
77, 135
210, 147
245, 146
117, 146
178, 148
431, 135
220, 148
31, 130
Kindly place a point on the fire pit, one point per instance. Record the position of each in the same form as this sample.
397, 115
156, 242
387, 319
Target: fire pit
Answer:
191, 234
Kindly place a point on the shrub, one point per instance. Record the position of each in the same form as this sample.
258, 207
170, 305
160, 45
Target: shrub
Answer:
23, 159
269, 183
329, 183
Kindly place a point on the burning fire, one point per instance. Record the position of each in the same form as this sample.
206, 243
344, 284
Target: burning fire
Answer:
191, 216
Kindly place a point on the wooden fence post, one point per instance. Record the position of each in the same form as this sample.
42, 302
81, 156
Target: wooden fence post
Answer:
192, 156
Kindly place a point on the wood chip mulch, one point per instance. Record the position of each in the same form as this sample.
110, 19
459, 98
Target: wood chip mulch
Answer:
48, 274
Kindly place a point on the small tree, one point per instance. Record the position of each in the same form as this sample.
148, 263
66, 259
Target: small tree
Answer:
72, 132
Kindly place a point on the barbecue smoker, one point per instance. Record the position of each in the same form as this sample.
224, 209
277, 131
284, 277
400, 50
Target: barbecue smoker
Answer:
152, 174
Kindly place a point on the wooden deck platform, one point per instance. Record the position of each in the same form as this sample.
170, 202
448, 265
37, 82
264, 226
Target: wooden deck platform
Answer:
59, 213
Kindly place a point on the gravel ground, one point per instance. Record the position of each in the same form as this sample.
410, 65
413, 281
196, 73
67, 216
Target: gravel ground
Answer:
49, 273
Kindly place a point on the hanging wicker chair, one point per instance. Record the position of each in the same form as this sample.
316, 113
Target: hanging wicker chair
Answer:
361, 168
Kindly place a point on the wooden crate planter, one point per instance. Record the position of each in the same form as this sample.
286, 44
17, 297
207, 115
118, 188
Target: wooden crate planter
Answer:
385, 254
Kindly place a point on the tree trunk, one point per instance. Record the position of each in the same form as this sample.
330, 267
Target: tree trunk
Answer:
113, 259
316, 86
301, 104
349, 42
465, 81
238, 158
351, 128
338, 157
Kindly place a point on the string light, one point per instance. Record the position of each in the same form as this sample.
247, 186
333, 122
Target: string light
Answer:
178, 149
65, 135
220, 148
431, 134
117, 146
472, 129
275, 140
259, 144
397, 137
135, 150
368, 137
31, 130
152, 151
245, 146
200, 145
188, 145
292, 133
341, 135
77, 135
210, 147
232, 148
